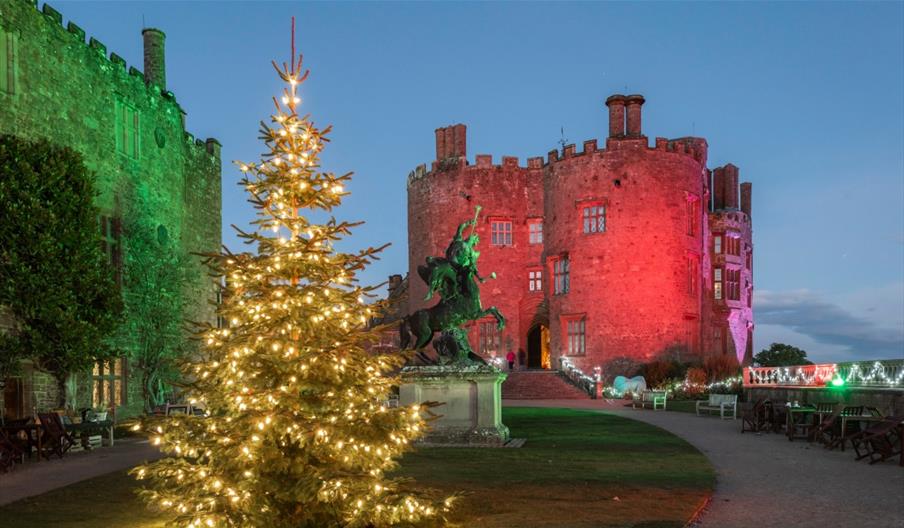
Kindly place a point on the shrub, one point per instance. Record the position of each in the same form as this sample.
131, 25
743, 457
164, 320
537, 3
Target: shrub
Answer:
719, 368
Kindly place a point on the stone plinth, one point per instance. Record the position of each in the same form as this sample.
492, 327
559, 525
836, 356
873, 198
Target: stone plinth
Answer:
471, 398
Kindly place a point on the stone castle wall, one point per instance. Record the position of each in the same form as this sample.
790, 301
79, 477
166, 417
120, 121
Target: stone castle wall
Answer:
630, 283
68, 90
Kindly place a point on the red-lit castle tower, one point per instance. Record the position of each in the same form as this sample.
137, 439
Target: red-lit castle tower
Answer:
627, 251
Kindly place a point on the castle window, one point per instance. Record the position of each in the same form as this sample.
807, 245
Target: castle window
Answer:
733, 284
501, 233
221, 320
561, 275
691, 334
489, 339
575, 334
8, 59
691, 211
127, 129
732, 245
111, 243
748, 258
110, 383
535, 231
717, 284
594, 217
535, 280
717, 244
719, 339
693, 275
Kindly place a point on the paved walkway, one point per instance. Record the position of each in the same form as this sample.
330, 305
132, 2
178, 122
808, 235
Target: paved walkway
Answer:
35, 478
765, 481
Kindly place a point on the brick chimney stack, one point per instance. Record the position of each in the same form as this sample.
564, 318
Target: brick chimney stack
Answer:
746, 191
731, 186
451, 142
616, 104
634, 102
154, 56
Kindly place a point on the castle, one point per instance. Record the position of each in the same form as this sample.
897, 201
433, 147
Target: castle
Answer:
131, 133
628, 251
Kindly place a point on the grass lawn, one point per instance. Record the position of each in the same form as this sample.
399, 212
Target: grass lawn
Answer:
577, 469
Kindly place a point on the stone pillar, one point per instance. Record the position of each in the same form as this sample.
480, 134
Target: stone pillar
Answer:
718, 188
154, 57
731, 187
616, 104
634, 102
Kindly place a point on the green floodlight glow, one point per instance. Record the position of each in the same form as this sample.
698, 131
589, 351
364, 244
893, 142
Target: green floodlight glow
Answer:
837, 381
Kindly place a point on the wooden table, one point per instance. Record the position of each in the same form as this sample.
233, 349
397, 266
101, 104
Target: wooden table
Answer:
800, 417
105, 426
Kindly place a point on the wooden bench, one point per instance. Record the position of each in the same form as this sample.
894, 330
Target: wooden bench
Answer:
719, 402
653, 399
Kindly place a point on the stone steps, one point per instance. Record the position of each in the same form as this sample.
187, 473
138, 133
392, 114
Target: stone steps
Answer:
539, 385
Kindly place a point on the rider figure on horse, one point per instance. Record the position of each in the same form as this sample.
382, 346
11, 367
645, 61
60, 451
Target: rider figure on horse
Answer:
461, 257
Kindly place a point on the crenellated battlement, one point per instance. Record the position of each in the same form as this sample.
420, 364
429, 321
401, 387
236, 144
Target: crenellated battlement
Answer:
117, 63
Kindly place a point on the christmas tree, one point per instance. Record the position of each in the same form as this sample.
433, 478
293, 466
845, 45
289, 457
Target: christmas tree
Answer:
297, 431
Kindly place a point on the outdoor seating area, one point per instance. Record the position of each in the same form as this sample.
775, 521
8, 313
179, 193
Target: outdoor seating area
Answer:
831, 424
50, 435
649, 398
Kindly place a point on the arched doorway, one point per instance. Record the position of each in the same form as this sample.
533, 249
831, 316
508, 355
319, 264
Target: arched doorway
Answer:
538, 347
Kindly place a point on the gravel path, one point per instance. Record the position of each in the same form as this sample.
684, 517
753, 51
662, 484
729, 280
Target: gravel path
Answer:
765, 481
35, 478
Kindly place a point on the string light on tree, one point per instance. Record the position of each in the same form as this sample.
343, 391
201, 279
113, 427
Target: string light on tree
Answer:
297, 431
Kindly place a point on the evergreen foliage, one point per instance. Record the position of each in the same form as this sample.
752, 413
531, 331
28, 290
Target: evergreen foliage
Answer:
156, 277
54, 279
781, 355
297, 432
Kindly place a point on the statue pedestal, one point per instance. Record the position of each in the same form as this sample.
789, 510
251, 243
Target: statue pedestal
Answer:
472, 402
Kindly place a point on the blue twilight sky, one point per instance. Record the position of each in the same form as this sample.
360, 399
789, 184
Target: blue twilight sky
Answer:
806, 98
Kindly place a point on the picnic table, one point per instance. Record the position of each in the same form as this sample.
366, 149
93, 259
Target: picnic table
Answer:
800, 421
873, 416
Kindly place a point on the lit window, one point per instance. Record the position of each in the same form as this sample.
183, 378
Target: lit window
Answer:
127, 129
561, 272
535, 280
717, 283
8, 58
692, 214
577, 341
594, 219
693, 274
109, 383
221, 320
717, 244
501, 233
535, 231
490, 339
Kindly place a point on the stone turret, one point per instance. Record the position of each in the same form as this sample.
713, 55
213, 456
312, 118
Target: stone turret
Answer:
154, 57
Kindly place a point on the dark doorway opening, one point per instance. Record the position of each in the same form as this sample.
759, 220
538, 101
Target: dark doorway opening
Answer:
538, 347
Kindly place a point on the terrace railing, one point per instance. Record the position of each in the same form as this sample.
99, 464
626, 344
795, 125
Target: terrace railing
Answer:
860, 374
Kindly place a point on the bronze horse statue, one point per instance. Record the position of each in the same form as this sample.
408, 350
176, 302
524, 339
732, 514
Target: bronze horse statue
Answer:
453, 277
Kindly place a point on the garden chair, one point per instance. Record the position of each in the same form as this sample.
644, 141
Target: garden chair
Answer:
753, 416
825, 410
828, 430
19, 434
9, 453
55, 439
776, 415
879, 441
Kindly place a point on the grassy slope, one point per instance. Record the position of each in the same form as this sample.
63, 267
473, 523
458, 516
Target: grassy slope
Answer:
568, 474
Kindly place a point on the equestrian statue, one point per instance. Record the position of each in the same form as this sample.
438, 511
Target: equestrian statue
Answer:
453, 277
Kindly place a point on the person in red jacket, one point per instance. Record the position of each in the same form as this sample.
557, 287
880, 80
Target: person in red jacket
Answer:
510, 357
